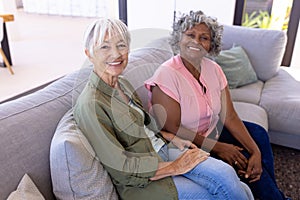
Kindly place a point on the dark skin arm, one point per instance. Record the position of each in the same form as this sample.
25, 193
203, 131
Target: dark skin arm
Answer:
238, 130
170, 120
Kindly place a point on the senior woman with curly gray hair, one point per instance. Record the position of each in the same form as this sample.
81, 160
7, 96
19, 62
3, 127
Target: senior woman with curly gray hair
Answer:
194, 102
188, 21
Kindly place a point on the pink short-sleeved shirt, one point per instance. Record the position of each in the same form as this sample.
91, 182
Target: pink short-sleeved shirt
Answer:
199, 109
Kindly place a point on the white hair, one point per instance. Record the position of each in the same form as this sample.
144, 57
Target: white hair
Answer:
96, 32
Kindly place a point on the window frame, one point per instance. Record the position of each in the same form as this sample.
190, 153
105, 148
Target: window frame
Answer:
291, 32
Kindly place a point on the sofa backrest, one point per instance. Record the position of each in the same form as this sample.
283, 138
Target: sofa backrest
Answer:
265, 48
142, 64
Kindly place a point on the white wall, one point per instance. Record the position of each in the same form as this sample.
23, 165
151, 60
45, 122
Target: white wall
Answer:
149, 14
159, 13
153, 19
222, 10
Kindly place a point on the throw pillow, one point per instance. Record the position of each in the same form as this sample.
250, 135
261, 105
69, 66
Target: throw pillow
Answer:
236, 66
265, 48
26, 190
76, 171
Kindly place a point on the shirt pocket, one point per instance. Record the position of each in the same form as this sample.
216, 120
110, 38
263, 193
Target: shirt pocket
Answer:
129, 128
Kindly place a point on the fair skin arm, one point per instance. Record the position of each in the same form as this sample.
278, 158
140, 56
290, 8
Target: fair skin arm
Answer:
229, 153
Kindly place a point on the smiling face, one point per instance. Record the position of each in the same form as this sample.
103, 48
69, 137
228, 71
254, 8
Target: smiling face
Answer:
195, 43
110, 57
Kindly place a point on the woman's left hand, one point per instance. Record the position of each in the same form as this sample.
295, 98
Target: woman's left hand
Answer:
254, 168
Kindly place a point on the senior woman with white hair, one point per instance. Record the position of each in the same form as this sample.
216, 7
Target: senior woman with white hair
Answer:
126, 139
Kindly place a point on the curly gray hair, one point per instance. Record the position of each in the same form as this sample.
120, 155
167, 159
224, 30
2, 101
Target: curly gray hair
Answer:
187, 21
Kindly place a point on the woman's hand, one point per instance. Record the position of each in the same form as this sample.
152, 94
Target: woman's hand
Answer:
188, 160
232, 155
184, 163
254, 168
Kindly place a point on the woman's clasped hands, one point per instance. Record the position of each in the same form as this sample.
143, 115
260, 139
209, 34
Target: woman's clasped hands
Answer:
248, 168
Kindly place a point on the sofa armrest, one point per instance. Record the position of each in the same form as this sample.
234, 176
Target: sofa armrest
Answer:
27, 126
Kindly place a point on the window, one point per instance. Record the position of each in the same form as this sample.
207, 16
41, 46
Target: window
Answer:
268, 14
271, 14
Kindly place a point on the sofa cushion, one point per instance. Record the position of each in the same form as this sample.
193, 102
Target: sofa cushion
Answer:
281, 99
75, 170
26, 190
236, 67
265, 48
249, 93
252, 113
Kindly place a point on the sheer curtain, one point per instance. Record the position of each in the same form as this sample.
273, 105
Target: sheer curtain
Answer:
84, 8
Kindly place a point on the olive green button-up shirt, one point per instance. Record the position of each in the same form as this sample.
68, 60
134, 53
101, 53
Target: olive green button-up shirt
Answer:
116, 132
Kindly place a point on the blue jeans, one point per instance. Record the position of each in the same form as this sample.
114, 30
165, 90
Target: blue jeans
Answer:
211, 179
266, 188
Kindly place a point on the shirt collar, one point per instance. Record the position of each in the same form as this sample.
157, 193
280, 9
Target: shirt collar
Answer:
98, 83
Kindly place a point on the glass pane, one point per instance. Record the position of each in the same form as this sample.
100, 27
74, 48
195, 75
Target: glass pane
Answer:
268, 14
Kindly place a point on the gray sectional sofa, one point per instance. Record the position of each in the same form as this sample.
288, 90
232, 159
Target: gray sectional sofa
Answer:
27, 124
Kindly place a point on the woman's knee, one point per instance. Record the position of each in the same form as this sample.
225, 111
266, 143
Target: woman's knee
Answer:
219, 169
220, 176
217, 172
257, 132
